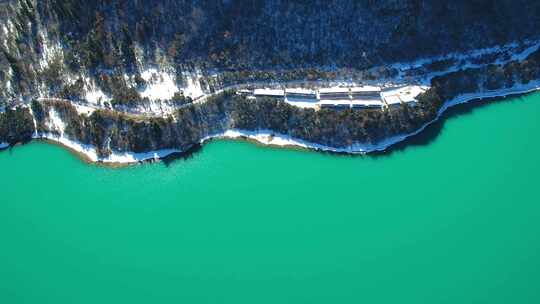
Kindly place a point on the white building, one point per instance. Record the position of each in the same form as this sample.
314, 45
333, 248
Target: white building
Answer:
304, 94
269, 93
369, 92
334, 93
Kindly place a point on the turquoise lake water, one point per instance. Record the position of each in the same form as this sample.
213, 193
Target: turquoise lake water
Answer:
454, 220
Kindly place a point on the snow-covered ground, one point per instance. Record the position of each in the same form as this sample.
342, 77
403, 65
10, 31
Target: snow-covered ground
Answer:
159, 84
193, 88
157, 107
268, 137
403, 94
162, 85
90, 152
50, 50
82, 109
55, 122
465, 60
162, 82
94, 94
477, 53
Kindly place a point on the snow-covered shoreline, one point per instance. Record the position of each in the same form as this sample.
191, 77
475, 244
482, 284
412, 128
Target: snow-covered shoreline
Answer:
91, 154
268, 137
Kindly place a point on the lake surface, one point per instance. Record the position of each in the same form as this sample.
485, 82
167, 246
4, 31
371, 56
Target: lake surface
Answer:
454, 221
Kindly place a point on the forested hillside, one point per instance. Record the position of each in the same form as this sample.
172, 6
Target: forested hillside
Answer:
266, 33
63, 47
82, 71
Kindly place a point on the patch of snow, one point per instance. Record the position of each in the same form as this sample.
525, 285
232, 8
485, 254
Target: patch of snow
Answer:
159, 84
33, 121
8, 85
463, 60
93, 94
6, 34
193, 88
3, 145
9, 76
82, 109
461, 99
139, 54
49, 51
55, 122
269, 137
116, 157
96, 96
156, 107
11, 28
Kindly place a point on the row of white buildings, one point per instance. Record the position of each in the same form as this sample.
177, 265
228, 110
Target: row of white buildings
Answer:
343, 97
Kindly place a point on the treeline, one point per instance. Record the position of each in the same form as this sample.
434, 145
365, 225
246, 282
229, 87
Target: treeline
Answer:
331, 127
237, 35
107, 129
260, 40
491, 77
16, 125
228, 78
240, 35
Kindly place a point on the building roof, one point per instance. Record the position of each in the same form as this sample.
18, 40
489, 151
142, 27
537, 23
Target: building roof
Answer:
334, 90
406, 93
365, 89
368, 102
269, 92
392, 99
300, 91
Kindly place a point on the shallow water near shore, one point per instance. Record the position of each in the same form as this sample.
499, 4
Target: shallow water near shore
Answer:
455, 220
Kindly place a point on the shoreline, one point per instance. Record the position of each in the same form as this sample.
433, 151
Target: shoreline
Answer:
269, 138
116, 158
